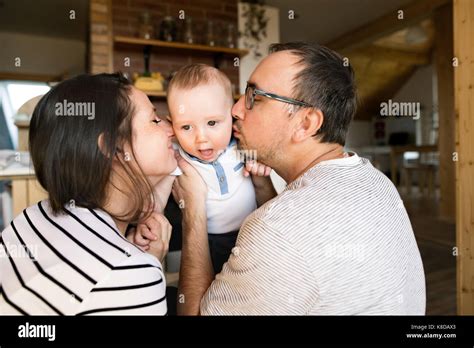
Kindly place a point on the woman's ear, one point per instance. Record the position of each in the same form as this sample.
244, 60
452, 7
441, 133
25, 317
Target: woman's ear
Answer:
103, 146
308, 122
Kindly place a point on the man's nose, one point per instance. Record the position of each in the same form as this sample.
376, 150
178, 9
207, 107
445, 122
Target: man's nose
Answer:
238, 110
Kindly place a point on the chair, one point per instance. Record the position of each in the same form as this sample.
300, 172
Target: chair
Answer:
413, 162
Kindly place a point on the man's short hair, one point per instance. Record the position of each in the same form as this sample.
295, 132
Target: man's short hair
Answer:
193, 75
326, 81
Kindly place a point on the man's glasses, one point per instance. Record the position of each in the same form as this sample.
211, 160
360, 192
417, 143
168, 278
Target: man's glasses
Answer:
251, 92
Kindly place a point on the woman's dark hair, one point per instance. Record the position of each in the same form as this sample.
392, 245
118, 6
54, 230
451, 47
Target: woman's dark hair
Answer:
327, 82
64, 144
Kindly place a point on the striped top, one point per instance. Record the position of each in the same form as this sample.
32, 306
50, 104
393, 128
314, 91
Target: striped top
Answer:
75, 264
336, 241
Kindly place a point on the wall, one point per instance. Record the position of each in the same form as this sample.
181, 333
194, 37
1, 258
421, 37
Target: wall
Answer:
126, 16
41, 54
418, 89
249, 62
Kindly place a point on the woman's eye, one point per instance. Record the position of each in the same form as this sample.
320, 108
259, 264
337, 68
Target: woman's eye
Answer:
156, 120
185, 127
211, 123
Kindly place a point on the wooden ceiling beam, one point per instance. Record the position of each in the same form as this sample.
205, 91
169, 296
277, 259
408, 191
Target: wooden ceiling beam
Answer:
371, 105
386, 24
381, 53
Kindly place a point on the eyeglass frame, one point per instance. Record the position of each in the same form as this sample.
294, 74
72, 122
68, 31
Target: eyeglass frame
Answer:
273, 96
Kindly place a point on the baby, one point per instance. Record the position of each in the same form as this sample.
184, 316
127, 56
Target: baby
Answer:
200, 102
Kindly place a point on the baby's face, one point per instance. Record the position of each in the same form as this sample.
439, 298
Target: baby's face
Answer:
202, 120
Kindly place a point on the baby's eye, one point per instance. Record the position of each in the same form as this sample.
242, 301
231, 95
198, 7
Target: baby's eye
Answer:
186, 127
211, 123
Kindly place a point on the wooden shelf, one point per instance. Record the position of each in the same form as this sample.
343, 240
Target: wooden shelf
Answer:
162, 94
125, 40
159, 94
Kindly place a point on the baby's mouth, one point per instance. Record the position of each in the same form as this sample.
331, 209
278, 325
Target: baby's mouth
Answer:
207, 153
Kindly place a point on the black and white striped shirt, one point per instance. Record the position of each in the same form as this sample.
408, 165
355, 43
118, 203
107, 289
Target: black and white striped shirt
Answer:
75, 264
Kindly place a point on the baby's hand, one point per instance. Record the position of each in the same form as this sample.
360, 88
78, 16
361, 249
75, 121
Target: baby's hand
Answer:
257, 169
153, 235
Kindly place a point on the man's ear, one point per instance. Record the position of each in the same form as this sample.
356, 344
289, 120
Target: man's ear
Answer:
308, 122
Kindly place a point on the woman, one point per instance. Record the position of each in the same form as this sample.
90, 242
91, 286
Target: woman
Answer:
99, 150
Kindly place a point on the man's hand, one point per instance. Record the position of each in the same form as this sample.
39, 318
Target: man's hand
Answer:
152, 235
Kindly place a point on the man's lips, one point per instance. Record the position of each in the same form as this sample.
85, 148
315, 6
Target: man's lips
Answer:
236, 130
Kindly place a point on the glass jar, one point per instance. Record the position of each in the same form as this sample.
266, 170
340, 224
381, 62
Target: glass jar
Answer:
188, 31
145, 29
168, 29
210, 39
230, 39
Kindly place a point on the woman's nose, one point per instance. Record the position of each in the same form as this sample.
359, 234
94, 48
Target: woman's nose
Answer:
168, 129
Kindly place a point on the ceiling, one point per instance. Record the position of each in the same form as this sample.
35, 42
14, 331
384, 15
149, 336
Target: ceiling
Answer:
45, 17
382, 66
323, 20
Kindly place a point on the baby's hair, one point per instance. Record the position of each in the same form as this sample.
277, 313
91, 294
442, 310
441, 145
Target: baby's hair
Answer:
193, 75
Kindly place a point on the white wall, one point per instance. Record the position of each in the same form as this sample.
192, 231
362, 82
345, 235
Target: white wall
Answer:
41, 54
419, 88
249, 62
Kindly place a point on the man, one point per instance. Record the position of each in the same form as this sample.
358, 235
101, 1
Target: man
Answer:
337, 240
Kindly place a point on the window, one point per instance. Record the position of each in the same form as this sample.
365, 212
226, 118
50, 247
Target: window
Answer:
13, 94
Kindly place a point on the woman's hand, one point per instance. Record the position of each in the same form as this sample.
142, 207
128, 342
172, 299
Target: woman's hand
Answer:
152, 235
189, 189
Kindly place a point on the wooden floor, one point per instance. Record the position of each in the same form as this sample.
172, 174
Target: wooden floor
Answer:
436, 240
